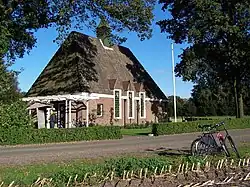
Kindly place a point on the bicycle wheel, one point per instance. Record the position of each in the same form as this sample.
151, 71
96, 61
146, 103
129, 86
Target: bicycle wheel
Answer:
230, 139
194, 145
225, 149
199, 148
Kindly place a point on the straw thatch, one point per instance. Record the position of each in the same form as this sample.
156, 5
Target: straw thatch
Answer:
83, 65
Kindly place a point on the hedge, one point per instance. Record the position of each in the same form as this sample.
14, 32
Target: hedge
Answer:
137, 126
12, 136
187, 127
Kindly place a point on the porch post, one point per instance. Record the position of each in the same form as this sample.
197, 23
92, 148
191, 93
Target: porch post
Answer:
48, 118
69, 113
29, 112
66, 113
58, 116
87, 113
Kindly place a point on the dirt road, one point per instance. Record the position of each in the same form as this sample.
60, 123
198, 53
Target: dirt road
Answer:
26, 154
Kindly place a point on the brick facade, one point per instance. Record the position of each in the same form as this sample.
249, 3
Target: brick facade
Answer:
108, 105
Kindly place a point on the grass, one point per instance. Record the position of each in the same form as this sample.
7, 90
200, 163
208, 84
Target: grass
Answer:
136, 132
60, 172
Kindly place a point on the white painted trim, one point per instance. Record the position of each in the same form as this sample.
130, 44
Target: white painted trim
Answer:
47, 118
75, 97
66, 114
144, 95
59, 115
120, 103
102, 95
79, 97
70, 120
151, 99
133, 105
124, 97
137, 98
105, 47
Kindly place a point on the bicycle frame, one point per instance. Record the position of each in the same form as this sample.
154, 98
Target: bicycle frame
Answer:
209, 138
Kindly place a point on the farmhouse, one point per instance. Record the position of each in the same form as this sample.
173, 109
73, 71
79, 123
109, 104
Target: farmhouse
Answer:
87, 82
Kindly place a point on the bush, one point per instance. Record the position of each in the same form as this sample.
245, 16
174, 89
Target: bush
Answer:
187, 127
137, 126
14, 115
22, 135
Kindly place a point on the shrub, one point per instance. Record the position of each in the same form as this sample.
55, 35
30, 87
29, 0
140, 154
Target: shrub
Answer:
187, 127
22, 135
137, 126
14, 115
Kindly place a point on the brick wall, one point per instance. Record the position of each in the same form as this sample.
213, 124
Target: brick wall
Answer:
108, 103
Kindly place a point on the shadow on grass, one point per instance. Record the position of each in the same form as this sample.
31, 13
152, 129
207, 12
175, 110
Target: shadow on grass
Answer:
170, 152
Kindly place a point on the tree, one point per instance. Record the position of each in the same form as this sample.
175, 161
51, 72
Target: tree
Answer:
213, 100
184, 107
218, 34
9, 91
20, 19
189, 108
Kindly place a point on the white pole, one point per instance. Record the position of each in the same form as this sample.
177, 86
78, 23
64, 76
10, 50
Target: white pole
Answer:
173, 65
87, 113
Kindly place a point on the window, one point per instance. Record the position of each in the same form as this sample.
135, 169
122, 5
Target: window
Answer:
117, 104
99, 110
143, 105
130, 104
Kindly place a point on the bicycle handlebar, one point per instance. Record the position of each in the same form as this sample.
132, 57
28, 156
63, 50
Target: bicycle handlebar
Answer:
211, 126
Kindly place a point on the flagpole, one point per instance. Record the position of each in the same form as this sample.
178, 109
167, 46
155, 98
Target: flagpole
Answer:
173, 65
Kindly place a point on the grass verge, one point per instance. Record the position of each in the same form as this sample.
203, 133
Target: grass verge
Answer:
84, 169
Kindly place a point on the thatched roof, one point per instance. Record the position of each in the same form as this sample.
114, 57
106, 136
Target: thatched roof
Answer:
83, 65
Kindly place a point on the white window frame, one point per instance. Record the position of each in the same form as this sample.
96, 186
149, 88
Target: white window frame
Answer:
144, 104
120, 104
101, 109
133, 105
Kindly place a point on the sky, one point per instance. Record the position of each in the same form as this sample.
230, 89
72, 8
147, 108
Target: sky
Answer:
154, 54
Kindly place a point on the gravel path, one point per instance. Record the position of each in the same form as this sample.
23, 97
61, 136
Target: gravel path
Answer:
26, 154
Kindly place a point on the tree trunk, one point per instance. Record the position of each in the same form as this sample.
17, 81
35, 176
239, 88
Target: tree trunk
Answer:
240, 105
236, 99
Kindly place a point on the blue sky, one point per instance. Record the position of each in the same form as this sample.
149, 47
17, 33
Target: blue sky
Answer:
154, 54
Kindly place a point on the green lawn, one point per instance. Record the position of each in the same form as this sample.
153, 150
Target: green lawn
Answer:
136, 132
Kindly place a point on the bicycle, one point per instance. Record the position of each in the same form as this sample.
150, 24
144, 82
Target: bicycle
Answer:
206, 143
